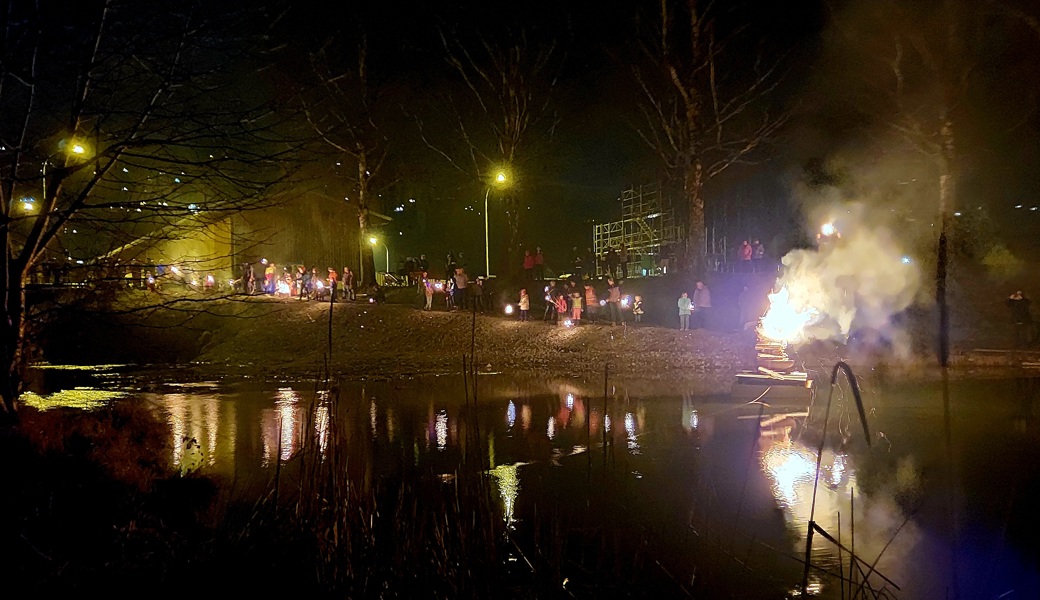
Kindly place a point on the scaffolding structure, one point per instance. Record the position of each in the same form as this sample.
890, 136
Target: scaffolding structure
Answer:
648, 229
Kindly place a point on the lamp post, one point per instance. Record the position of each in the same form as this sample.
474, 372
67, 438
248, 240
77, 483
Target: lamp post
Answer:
500, 180
374, 240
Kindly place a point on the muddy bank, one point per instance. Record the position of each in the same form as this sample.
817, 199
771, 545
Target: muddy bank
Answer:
269, 338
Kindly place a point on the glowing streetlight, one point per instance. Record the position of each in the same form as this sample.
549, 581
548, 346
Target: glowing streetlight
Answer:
29, 204
501, 180
78, 149
827, 229
374, 241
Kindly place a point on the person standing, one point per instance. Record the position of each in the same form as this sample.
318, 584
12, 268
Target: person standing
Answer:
428, 288
348, 284
701, 305
758, 255
478, 295
613, 301
576, 294
612, 261
461, 282
525, 304
550, 303
301, 275
539, 264
1021, 319
685, 308
579, 264
591, 301
528, 266
623, 261
744, 254
561, 307
333, 281
637, 308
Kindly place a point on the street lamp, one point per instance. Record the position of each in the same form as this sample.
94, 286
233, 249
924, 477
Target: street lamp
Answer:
501, 181
374, 240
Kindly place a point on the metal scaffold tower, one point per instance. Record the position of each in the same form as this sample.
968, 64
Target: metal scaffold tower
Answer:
647, 228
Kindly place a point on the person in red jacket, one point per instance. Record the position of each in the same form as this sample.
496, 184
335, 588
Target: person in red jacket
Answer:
528, 265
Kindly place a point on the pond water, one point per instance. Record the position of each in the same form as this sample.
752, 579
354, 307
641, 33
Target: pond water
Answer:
721, 491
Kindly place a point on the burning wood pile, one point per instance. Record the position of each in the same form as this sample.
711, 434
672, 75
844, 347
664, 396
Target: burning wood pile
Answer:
775, 369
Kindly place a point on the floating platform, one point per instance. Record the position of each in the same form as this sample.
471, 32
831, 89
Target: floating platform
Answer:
772, 385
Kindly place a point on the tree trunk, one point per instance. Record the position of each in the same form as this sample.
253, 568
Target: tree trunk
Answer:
368, 262
12, 340
693, 184
947, 184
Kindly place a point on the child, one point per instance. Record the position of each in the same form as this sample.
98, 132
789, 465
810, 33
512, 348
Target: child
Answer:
637, 309
428, 290
525, 304
561, 309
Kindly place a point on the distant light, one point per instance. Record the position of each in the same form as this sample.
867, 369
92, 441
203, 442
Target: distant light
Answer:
570, 401
28, 204
956, 214
79, 262
501, 177
373, 240
399, 209
412, 200
1034, 208
371, 301
193, 207
1018, 206
78, 149
263, 261
509, 309
74, 231
176, 179
654, 215
905, 260
827, 229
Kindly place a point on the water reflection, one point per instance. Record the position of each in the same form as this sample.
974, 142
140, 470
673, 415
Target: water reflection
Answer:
670, 448
282, 427
203, 429
508, 483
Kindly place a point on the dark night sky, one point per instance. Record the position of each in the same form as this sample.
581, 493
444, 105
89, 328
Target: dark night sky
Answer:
594, 153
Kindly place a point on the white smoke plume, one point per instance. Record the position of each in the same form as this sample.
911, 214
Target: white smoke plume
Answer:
856, 278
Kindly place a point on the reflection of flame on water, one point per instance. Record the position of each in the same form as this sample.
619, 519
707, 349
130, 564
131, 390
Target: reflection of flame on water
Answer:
786, 319
511, 414
787, 466
550, 429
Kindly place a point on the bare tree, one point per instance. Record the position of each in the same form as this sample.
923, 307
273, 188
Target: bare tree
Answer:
705, 108
117, 121
501, 112
343, 107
